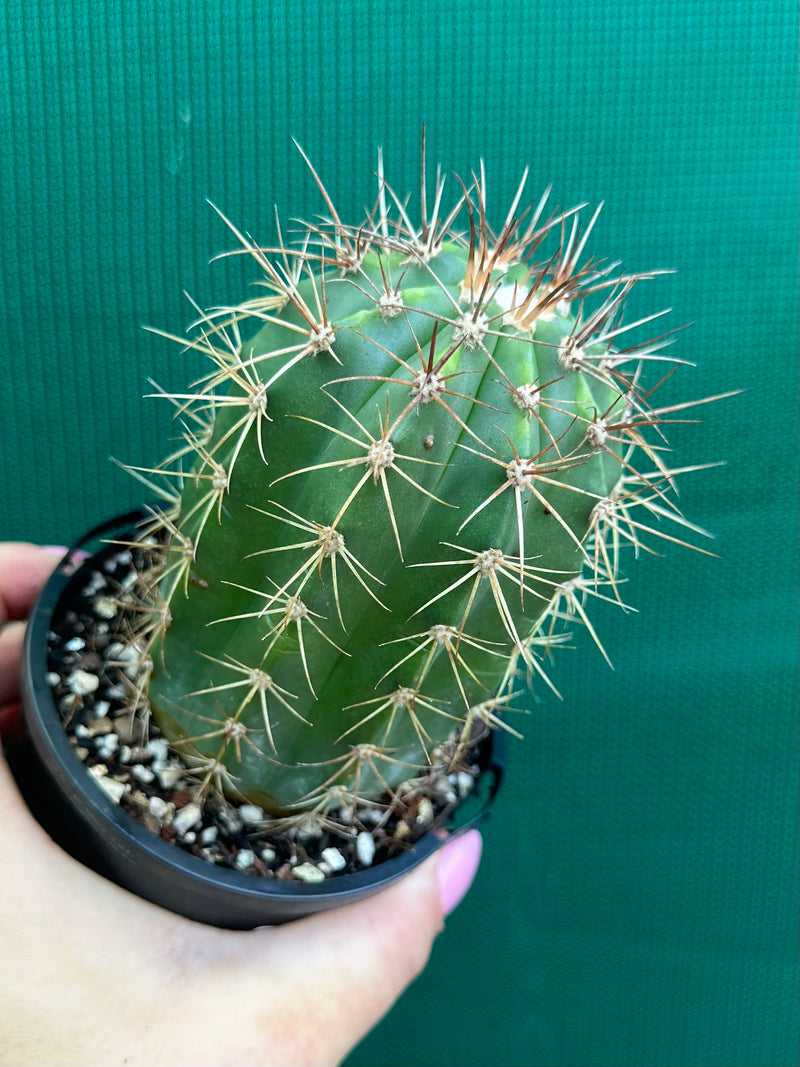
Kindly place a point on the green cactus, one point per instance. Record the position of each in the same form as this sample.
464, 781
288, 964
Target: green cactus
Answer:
416, 455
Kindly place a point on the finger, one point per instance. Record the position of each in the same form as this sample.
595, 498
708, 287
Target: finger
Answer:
345, 968
377, 948
12, 729
24, 568
11, 637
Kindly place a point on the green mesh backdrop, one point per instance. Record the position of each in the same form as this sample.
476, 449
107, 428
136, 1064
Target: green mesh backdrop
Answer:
637, 901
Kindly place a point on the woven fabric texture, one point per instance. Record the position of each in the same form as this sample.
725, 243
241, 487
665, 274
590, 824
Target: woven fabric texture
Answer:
637, 902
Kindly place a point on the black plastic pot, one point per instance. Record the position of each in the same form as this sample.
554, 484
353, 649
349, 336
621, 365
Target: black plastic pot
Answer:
91, 827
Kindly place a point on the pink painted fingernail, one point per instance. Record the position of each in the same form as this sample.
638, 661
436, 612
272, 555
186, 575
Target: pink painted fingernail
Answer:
456, 867
77, 555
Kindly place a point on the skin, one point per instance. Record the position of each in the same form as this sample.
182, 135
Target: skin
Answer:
91, 975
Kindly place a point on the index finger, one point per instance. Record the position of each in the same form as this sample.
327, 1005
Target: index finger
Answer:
24, 568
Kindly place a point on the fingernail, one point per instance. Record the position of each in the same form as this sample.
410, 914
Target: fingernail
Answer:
456, 867
77, 555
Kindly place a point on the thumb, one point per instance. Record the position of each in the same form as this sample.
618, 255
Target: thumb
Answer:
345, 968
394, 930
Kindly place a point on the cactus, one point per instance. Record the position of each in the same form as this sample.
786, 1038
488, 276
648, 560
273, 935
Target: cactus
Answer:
418, 453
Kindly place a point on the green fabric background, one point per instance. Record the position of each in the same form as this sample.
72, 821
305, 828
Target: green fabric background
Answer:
637, 902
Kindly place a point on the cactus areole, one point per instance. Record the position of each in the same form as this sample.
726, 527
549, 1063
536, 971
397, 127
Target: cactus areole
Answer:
419, 452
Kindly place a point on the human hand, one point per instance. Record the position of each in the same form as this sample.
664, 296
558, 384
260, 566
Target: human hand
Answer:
91, 975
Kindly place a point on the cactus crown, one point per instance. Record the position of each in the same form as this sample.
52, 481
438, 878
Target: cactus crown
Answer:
419, 452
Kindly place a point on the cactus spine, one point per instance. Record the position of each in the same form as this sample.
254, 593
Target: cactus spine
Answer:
417, 454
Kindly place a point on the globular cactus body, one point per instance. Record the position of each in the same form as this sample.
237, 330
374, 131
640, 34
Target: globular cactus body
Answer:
412, 461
